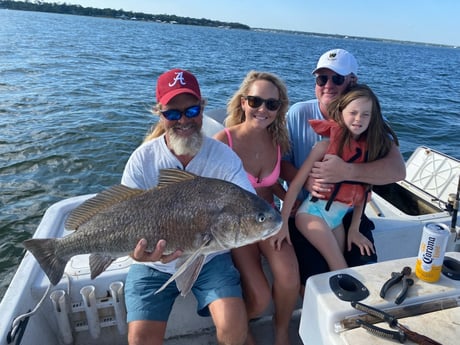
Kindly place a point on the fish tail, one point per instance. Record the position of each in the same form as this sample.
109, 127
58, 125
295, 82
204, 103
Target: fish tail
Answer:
44, 251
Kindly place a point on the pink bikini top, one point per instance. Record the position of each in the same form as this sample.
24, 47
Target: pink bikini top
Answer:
267, 181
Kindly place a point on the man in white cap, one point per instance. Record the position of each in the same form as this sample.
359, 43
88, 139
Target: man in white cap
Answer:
335, 71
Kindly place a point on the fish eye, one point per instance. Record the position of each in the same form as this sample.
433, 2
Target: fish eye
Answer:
261, 218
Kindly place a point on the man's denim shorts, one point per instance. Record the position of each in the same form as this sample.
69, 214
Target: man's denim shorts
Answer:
218, 279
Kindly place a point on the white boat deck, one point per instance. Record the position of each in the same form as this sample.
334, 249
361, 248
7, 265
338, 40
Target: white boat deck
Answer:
261, 330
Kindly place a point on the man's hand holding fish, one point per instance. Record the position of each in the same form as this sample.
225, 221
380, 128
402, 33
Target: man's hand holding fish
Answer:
142, 254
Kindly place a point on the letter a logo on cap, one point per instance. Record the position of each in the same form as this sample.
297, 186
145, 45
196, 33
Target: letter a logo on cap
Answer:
175, 82
178, 78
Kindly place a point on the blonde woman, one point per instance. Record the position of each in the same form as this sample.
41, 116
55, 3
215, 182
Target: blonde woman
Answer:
256, 131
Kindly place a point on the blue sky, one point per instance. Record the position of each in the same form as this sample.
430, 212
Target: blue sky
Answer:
430, 21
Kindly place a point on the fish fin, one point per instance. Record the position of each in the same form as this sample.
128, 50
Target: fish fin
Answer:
101, 201
194, 262
187, 278
171, 176
190, 268
98, 263
43, 249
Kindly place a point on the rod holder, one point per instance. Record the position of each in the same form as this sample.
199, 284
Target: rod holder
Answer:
61, 311
118, 298
88, 294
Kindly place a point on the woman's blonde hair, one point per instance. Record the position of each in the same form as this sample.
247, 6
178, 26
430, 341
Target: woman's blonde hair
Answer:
379, 135
277, 128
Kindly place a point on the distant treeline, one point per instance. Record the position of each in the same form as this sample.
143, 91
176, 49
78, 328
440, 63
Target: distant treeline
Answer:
64, 8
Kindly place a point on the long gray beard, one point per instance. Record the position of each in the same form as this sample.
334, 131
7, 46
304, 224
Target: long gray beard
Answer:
185, 146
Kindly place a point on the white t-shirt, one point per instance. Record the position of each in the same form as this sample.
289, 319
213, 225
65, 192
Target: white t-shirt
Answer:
214, 159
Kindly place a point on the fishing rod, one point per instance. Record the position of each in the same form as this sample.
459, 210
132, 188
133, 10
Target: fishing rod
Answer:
453, 224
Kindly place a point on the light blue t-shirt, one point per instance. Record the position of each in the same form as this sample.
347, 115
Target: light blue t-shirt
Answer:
301, 134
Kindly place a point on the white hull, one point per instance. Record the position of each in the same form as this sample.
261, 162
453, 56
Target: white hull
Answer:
85, 311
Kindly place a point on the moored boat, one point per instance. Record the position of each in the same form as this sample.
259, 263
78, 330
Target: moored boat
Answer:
79, 310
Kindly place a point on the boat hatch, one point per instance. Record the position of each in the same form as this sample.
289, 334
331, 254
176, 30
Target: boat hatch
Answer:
433, 172
430, 177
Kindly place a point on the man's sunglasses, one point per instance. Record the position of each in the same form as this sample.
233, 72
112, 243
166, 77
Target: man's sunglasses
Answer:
174, 114
337, 79
271, 103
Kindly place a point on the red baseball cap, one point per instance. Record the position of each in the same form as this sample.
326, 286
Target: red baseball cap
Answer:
176, 82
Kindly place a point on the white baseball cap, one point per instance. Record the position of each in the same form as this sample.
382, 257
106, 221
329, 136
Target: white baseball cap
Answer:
338, 60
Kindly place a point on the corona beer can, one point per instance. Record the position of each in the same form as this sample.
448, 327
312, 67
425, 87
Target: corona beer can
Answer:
431, 252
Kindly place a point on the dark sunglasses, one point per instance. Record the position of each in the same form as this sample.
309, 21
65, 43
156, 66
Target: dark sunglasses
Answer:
174, 114
337, 79
256, 102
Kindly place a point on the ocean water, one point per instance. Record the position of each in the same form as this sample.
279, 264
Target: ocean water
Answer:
76, 93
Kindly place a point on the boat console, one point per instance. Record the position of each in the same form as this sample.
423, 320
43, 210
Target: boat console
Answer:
430, 309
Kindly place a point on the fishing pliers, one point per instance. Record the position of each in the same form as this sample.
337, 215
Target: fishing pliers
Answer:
401, 334
395, 279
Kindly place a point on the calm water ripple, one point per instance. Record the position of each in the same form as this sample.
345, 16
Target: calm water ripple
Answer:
75, 94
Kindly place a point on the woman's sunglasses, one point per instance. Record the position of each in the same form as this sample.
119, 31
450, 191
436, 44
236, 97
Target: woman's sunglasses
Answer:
174, 114
271, 103
337, 79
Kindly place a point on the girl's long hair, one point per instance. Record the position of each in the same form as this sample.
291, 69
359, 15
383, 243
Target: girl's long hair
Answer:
379, 135
277, 128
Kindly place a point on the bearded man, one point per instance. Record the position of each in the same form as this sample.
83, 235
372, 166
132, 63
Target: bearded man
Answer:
177, 142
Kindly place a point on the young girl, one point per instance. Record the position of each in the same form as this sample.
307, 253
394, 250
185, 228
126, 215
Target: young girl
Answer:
357, 133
